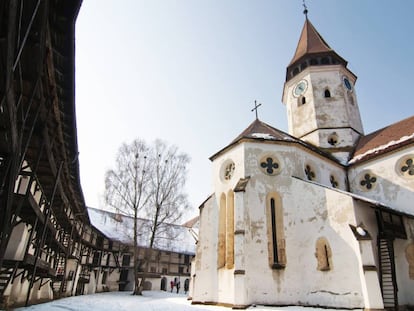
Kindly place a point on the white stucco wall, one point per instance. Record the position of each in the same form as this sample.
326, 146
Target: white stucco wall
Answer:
314, 213
405, 283
16, 292
205, 279
391, 187
337, 111
310, 212
18, 241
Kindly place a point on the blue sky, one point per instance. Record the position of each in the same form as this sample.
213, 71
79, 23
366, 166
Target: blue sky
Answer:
188, 72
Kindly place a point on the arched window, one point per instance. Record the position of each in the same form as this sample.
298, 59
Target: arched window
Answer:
327, 93
276, 234
295, 71
221, 258
323, 254
301, 100
303, 65
230, 231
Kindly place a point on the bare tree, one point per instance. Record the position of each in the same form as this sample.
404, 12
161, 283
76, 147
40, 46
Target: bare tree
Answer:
149, 181
126, 188
167, 198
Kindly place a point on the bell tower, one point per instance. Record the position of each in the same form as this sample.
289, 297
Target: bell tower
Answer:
320, 97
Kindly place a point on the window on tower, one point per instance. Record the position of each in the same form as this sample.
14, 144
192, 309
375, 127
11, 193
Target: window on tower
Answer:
327, 93
301, 100
303, 65
295, 71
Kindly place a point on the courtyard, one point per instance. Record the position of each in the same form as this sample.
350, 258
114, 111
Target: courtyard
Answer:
150, 301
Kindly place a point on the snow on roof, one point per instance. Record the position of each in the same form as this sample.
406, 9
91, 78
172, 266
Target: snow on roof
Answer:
261, 131
262, 135
380, 148
359, 197
384, 140
172, 238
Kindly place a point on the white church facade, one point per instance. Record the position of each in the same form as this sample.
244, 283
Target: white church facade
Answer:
322, 216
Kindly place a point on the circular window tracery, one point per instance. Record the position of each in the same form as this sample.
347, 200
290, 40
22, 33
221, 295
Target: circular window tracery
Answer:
405, 166
367, 181
334, 181
333, 139
270, 165
227, 170
310, 172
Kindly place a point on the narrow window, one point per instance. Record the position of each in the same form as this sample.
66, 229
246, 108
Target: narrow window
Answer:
274, 232
230, 231
301, 100
277, 249
323, 255
327, 93
221, 260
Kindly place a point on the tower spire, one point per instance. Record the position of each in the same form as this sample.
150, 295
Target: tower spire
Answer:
305, 9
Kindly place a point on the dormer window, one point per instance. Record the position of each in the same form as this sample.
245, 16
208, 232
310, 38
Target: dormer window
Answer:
327, 93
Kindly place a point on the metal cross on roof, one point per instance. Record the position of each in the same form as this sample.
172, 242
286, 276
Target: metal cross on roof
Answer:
305, 11
256, 105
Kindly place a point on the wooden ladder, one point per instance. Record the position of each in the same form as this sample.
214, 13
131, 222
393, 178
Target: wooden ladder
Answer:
6, 276
387, 274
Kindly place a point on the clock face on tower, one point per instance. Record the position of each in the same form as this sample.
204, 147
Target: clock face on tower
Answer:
300, 88
348, 84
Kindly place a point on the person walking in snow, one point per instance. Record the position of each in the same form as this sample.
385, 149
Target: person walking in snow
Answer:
186, 285
172, 285
178, 286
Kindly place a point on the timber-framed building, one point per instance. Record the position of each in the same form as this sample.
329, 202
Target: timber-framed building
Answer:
48, 246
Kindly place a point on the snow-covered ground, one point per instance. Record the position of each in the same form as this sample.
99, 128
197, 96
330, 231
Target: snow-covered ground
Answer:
150, 301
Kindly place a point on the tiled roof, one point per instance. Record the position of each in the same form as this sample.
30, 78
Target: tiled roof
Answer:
260, 131
384, 140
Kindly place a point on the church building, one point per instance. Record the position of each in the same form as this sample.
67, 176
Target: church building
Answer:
320, 216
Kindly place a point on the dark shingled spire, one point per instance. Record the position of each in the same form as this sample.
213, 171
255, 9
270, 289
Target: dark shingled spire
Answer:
312, 50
